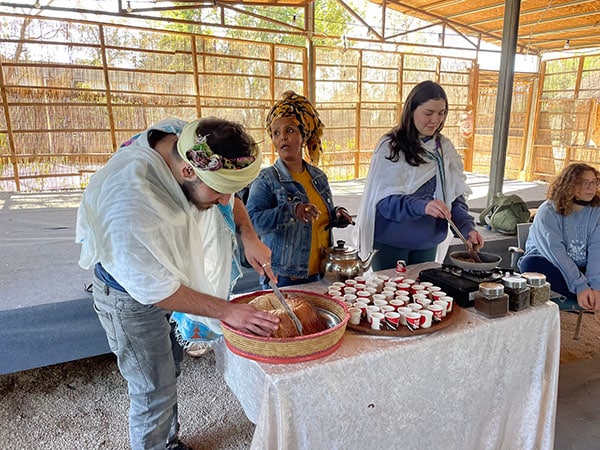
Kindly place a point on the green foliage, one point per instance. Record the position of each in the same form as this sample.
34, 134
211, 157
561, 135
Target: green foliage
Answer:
561, 77
331, 19
591, 62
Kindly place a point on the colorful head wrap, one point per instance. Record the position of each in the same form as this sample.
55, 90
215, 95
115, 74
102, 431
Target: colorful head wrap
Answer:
224, 175
305, 116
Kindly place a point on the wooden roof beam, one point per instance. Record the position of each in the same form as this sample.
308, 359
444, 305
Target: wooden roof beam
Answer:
399, 6
380, 36
523, 12
537, 20
567, 29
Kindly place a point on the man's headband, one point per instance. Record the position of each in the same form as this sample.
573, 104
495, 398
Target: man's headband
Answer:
224, 175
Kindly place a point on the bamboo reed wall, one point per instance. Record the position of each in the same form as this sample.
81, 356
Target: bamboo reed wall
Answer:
71, 92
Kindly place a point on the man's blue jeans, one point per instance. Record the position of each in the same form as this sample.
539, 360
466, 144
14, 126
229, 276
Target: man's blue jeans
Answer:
149, 357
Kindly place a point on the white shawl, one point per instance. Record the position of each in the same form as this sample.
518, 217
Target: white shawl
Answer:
386, 178
136, 221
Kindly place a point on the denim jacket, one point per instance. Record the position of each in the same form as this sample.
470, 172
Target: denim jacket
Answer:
272, 207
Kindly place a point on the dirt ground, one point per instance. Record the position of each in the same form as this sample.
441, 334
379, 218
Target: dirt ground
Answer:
588, 344
83, 404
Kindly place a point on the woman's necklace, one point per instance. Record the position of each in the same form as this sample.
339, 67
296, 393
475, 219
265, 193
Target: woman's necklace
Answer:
582, 202
438, 156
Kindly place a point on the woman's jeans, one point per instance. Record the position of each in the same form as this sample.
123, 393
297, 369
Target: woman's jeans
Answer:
536, 263
149, 357
287, 281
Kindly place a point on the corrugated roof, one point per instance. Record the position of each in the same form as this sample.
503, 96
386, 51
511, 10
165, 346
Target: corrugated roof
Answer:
544, 26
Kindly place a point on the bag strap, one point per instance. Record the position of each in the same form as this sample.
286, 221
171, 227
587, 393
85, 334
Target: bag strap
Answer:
484, 214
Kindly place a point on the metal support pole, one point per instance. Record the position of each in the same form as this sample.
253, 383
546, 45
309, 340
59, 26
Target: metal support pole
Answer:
310, 50
504, 99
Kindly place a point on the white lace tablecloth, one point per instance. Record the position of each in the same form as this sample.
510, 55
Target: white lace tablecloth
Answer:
478, 384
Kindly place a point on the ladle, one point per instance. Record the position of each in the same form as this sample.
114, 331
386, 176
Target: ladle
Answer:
469, 247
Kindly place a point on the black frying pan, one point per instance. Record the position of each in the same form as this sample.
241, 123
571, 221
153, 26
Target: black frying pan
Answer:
489, 261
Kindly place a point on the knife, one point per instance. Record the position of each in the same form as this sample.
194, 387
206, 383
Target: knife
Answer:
286, 306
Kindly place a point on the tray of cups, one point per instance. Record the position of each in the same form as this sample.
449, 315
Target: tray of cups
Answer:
395, 307
412, 324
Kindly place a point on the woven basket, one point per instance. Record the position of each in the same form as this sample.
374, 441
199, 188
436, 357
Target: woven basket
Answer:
294, 349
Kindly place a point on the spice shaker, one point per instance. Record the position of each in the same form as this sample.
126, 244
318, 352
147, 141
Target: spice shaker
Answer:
518, 292
491, 300
539, 288
400, 266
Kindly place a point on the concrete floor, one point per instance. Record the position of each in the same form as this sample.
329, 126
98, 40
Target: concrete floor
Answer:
578, 410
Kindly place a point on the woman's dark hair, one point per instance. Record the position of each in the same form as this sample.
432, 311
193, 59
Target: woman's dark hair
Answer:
405, 137
562, 190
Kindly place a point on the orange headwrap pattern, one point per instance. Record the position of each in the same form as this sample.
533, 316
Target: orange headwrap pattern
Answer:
305, 116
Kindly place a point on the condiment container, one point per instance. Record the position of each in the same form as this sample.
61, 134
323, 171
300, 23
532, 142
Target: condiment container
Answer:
491, 301
400, 266
539, 288
518, 292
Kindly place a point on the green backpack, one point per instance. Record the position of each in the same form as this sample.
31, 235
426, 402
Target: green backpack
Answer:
505, 212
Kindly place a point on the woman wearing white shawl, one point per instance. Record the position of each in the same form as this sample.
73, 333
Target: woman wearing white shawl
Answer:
156, 224
415, 182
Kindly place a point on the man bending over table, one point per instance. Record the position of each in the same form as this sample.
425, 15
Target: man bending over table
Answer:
157, 224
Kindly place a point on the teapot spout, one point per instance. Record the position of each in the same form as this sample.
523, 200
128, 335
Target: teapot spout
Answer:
366, 263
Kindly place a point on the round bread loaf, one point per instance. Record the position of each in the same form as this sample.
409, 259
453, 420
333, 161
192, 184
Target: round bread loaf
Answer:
311, 321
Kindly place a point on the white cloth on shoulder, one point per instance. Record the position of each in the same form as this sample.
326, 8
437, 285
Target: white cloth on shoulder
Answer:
386, 178
135, 219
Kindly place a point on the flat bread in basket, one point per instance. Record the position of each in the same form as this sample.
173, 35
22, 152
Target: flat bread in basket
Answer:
295, 349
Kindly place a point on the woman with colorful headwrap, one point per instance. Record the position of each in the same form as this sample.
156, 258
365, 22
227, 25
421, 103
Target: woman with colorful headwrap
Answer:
290, 203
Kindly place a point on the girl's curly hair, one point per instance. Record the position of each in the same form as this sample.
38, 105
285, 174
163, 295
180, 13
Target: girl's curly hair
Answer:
562, 190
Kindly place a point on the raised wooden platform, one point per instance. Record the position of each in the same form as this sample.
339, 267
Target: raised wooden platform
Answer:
46, 315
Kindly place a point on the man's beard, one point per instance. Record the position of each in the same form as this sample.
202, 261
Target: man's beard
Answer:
190, 192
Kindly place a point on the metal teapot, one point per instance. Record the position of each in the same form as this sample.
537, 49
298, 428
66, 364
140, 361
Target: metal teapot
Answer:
342, 262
